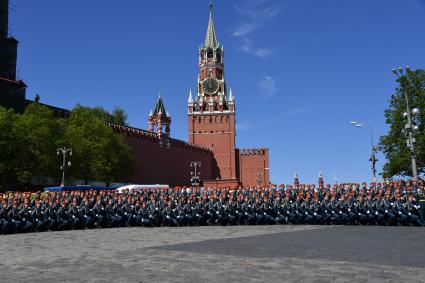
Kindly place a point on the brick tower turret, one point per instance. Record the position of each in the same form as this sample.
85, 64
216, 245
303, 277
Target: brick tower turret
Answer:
159, 119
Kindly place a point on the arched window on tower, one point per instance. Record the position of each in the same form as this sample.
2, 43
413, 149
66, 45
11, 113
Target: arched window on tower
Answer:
210, 54
218, 57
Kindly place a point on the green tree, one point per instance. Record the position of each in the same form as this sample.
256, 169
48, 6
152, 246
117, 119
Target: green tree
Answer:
37, 135
98, 153
118, 116
8, 149
393, 144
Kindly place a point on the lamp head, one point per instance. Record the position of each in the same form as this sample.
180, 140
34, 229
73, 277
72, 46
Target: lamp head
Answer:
415, 111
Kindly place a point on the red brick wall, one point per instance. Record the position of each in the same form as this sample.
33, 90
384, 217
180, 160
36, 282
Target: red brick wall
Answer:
156, 164
252, 162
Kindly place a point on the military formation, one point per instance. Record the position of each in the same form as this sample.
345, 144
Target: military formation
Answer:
390, 203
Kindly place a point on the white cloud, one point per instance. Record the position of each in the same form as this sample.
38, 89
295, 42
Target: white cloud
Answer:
244, 29
258, 10
256, 14
268, 86
249, 48
296, 111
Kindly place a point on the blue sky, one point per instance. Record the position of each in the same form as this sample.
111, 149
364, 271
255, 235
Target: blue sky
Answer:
300, 70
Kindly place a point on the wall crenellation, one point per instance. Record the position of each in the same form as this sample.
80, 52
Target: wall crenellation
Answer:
153, 138
253, 151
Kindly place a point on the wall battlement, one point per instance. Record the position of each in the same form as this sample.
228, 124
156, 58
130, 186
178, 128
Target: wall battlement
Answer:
153, 138
253, 151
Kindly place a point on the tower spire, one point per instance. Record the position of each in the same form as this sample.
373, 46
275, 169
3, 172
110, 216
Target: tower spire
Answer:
231, 97
190, 99
211, 38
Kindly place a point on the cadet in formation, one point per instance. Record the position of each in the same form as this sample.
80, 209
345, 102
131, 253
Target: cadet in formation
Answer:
392, 203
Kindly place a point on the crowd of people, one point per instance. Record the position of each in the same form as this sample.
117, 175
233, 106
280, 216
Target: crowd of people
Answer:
387, 203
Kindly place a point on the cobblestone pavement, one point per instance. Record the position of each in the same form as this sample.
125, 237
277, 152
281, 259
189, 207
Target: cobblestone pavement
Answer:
217, 254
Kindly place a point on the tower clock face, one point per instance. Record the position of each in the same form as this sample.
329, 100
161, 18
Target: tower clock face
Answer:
210, 85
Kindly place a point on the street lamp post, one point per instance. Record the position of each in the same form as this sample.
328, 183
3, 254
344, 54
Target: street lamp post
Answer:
195, 178
410, 128
64, 151
372, 158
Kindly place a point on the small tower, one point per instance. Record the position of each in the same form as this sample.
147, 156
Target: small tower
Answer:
296, 181
320, 179
159, 118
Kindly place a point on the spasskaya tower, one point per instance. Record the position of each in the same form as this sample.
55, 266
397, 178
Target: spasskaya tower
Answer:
212, 111
211, 116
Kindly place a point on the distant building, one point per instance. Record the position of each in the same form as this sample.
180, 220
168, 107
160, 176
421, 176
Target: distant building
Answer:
12, 91
160, 158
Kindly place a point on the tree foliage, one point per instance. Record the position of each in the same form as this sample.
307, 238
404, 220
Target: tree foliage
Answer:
99, 153
393, 144
118, 116
28, 144
37, 135
8, 148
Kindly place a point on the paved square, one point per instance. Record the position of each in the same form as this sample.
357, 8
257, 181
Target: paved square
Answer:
217, 254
